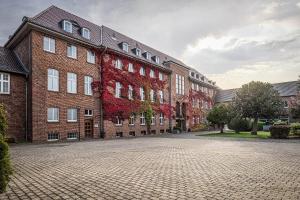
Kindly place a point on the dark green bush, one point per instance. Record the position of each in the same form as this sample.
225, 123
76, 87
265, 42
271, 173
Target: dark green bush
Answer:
295, 128
280, 131
5, 167
239, 124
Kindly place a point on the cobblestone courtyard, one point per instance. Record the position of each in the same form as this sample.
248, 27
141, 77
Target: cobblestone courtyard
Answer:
172, 167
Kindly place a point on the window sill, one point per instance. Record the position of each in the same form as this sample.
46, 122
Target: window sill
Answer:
53, 121
5, 93
72, 58
49, 51
71, 121
52, 140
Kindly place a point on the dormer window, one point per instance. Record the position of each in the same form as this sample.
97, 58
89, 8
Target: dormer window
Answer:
86, 33
147, 55
124, 46
156, 59
202, 78
192, 74
67, 26
197, 76
138, 52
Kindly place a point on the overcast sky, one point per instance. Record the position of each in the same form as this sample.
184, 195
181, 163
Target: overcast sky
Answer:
232, 42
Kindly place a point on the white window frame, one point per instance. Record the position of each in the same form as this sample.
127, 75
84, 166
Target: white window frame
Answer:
88, 85
157, 59
71, 83
138, 52
152, 73
151, 95
142, 119
142, 71
161, 96
118, 90
70, 136
161, 118
72, 115
130, 92
65, 23
90, 57
160, 76
72, 51
125, 46
53, 77
86, 33
142, 94
179, 84
148, 56
118, 64
119, 122
130, 67
2, 81
153, 119
131, 120
53, 118
52, 137
89, 112
49, 44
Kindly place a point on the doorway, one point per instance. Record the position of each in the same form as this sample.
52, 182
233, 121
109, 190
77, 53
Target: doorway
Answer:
88, 128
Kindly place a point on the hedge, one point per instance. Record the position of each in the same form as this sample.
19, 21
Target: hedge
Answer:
5, 167
280, 131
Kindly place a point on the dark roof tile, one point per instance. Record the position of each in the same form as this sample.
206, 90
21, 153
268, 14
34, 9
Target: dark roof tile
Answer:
9, 62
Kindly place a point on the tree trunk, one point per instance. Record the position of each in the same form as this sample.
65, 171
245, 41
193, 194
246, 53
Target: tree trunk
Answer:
254, 128
222, 128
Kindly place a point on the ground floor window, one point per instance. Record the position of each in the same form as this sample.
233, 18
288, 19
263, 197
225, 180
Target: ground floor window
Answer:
119, 121
88, 112
142, 119
132, 133
119, 134
53, 136
131, 119
161, 119
153, 120
53, 114
72, 136
143, 132
162, 131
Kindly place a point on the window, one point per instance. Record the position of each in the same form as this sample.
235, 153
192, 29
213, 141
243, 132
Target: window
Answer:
4, 83
88, 85
132, 133
72, 136
131, 119
152, 95
67, 26
152, 75
142, 71
157, 59
118, 64
72, 51
86, 33
138, 52
72, 83
72, 115
197, 87
125, 46
142, 94
130, 92
160, 76
88, 112
153, 120
148, 55
49, 44
161, 96
286, 105
53, 114
53, 80
119, 121
130, 67
118, 90
53, 136
161, 118
91, 57
193, 86
142, 119
179, 84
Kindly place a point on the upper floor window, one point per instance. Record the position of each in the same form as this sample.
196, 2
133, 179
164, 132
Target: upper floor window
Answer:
197, 87
179, 84
142, 71
88, 85
119, 121
138, 52
130, 67
160, 76
142, 119
4, 83
161, 118
152, 95
286, 105
125, 46
147, 55
53, 80
130, 92
86, 33
118, 64
161, 96
88, 112
193, 86
142, 94
72, 83
67, 26
72, 115
72, 51
53, 114
152, 74
153, 119
91, 57
156, 58
49, 44
118, 90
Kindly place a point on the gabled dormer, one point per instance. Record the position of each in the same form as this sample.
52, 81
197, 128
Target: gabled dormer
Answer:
155, 59
67, 26
137, 51
85, 33
147, 55
124, 46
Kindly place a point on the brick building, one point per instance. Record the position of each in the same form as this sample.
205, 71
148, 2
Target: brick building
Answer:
68, 79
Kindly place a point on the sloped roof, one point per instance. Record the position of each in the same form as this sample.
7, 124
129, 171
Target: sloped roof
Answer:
285, 89
9, 62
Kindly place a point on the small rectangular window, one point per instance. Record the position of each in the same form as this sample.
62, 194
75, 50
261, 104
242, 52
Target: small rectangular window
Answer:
160, 76
72, 83
142, 94
125, 46
130, 92
88, 85
118, 90
91, 57
131, 120
132, 133
72, 136
153, 120
161, 96
49, 44
138, 52
86, 33
119, 121
72, 115
88, 112
53, 114
4, 83
67, 26
72, 51
130, 67
142, 71
118, 64
53, 136
152, 74
142, 119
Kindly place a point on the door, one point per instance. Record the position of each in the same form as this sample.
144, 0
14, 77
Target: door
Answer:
88, 128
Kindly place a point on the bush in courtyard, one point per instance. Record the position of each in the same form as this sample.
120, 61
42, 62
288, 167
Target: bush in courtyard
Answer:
239, 124
199, 127
295, 128
260, 125
280, 131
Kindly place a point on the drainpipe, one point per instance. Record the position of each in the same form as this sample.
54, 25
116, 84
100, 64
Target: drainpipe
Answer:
170, 102
26, 108
102, 132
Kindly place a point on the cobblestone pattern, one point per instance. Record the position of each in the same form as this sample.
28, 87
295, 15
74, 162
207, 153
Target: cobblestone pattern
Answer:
156, 168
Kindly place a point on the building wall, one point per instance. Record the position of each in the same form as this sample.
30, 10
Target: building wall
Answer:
43, 99
15, 106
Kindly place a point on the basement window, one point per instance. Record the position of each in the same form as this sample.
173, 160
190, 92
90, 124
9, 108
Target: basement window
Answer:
72, 136
53, 136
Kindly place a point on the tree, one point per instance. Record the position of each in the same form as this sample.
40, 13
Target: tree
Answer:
3, 120
219, 115
295, 107
256, 100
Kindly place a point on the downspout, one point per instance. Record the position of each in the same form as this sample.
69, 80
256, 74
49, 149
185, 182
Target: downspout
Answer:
102, 132
170, 102
26, 108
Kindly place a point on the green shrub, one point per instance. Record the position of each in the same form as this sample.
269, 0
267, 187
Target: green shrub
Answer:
295, 128
280, 131
279, 122
5, 167
238, 124
3, 120
199, 127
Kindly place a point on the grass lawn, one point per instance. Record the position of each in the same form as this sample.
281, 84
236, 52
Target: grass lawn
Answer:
260, 134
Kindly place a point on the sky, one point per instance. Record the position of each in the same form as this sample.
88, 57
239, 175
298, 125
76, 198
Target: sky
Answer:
232, 42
